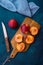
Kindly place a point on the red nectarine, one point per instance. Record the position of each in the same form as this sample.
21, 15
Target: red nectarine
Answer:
12, 23
25, 28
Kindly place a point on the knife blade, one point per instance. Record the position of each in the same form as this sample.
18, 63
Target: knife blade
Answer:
6, 37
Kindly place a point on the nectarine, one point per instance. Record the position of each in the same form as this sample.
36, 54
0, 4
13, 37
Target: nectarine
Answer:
20, 47
29, 39
12, 23
25, 28
34, 30
18, 37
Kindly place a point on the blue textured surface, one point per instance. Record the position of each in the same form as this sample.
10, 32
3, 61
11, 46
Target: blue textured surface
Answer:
34, 56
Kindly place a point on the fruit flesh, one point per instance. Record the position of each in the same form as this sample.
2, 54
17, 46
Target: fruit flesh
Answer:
29, 39
34, 30
20, 47
19, 38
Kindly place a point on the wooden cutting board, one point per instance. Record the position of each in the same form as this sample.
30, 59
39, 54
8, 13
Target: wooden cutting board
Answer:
13, 43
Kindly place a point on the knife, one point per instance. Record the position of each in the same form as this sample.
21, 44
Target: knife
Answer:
6, 37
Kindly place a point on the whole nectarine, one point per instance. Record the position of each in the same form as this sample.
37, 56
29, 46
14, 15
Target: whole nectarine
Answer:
12, 23
25, 28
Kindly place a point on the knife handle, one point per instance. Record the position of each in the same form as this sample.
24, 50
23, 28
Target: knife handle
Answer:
7, 44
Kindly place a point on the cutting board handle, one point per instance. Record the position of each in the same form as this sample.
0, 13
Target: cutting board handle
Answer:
14, 52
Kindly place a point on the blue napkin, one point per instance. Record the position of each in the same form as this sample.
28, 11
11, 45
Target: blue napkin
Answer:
20, 6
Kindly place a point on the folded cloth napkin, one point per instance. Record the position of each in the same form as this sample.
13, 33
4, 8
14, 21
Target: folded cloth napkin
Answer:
20, 6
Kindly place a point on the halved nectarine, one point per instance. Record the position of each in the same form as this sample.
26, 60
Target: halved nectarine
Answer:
34, 30
18, 37
29, 39
20, 47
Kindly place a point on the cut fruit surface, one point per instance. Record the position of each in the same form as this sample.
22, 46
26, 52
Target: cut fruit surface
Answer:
19, 38
29, 39
34, 30
20, 47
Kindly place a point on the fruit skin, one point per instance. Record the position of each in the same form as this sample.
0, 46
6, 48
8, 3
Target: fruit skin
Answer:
20, 47
34, 30
29, 39
18, 38
25, 28
12, 23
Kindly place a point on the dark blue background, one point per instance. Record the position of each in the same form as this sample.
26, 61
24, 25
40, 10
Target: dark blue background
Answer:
34, 55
